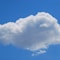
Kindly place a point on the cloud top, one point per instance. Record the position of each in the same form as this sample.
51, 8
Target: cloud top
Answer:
35, 32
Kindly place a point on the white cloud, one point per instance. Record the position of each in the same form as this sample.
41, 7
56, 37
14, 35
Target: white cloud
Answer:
38, 52
33, 32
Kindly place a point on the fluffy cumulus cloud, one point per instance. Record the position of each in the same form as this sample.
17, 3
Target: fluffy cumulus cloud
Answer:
34, 33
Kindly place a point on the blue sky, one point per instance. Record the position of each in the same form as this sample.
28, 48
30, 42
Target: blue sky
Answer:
11, 10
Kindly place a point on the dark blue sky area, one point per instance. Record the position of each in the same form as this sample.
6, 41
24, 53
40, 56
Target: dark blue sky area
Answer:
12, 53
11, 10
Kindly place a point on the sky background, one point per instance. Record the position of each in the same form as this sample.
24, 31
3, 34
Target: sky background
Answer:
11, 10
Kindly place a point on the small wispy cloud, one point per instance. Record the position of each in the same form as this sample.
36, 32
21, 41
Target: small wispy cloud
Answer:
38, 52
35, 32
